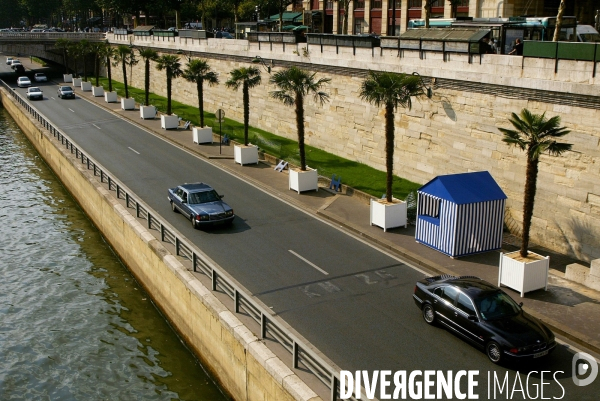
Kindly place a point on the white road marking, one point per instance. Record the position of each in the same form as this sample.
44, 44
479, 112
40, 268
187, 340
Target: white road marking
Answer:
133, 150
96, 126
308, 262
72, 110
52, 98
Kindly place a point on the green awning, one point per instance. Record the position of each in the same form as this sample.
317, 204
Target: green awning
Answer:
287, 16
446, 34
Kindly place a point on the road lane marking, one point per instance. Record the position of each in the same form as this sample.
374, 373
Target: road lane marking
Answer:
308, 262
96, 126
72, 110
133, 150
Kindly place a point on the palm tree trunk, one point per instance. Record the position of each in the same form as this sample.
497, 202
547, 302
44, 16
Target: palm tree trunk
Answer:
125, 79
109, 74
147, 81
246, 111
389, 150
97, 68
199, 86
300, 127
169, 82
528, 201
559, 20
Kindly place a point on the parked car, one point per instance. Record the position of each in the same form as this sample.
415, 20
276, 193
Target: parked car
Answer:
201, 204
40, 77
23, 82
9, 60
19, 69
15, 63
485, 315
66, 92
34, 93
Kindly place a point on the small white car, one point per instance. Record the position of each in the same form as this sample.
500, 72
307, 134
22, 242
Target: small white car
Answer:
40, 77
35, 93
9, 60
15, 61
23, 82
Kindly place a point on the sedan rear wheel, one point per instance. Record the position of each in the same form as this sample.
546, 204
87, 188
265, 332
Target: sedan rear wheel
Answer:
493, 351
429, 314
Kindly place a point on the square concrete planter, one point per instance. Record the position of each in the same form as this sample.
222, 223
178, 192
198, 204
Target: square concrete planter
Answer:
202, 135
67, 78
86, 86
301, 181
169, 122
388, 215
245, 154
147, 112
128, 103
77, 82
97, 91
523, 275
110, 97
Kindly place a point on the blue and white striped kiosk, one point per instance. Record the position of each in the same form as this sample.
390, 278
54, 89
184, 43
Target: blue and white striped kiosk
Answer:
461, 214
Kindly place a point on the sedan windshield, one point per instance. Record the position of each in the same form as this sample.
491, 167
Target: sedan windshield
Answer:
204, 197
66, 89
496, 305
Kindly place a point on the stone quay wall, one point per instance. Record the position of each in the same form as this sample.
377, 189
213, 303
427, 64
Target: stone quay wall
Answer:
243, 365
456, 131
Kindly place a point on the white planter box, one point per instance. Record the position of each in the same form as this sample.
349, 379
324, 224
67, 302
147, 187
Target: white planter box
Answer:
386, 215
67, 78
86, 86
169, 122
147, 112
245, 154
523, 276
128, 103
97, 91
301, 181
202, 135
110, 97
77, 82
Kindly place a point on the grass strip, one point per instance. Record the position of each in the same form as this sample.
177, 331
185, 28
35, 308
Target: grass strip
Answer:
354, 174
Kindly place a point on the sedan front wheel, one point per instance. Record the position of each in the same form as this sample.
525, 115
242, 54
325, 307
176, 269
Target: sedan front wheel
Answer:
193, 221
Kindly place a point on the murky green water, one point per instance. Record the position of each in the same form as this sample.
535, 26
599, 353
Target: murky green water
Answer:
74, 324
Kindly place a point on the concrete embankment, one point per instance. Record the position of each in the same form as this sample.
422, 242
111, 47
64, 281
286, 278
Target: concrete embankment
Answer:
243, 365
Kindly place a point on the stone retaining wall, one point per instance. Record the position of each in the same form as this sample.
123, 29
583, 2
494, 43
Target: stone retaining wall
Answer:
456, 131
243, 365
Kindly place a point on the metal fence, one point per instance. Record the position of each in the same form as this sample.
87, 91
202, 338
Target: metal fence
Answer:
28, 36
269, 325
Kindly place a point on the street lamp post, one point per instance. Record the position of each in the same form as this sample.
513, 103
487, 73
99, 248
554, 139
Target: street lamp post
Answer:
428, 89
260, 60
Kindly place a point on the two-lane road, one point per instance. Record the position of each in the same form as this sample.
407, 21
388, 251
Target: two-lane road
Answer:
349, 299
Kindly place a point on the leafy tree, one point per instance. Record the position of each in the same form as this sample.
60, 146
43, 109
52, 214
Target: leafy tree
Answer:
535, 135
390, 90
199, 71
559, 20
124, 56
147, 54
293, 86
247, 78
62, 45
172, 67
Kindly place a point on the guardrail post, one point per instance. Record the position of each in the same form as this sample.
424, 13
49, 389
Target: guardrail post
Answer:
137, 209
126, 199
295, 349
236, 301
149, 218
109, 182
101, 176
213, 280
118, 191
162, 232
263, 326
194, 260
177, 246
334, 387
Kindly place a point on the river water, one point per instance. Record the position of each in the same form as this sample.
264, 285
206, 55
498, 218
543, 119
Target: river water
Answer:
74, 324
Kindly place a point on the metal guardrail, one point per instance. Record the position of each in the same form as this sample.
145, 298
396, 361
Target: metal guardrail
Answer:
52, 36
269, 325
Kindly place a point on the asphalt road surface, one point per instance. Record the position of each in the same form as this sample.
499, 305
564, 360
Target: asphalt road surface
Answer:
350, 300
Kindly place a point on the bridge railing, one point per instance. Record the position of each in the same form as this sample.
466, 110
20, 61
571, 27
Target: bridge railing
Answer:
302, 352
28, 36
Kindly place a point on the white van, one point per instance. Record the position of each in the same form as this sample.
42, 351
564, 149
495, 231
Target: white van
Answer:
587, 33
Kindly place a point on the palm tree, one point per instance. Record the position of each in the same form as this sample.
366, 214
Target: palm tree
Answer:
73, 51
390, 90
84, 48
199, 71
147, 54
172, 67
559, 21
62, 45
534, 134
294, 85
124, 56
108, 54
98, 49
248, 78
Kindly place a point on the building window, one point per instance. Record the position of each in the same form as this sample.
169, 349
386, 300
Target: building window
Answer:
359, 4
359, 26
375, 4
329, 5
414, 3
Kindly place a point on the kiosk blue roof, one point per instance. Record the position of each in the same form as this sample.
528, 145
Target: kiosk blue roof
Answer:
464, 188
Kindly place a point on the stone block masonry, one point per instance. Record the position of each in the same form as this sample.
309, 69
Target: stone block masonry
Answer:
245, 368
454, 132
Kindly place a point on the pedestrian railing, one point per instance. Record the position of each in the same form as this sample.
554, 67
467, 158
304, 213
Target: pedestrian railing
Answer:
269, 324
